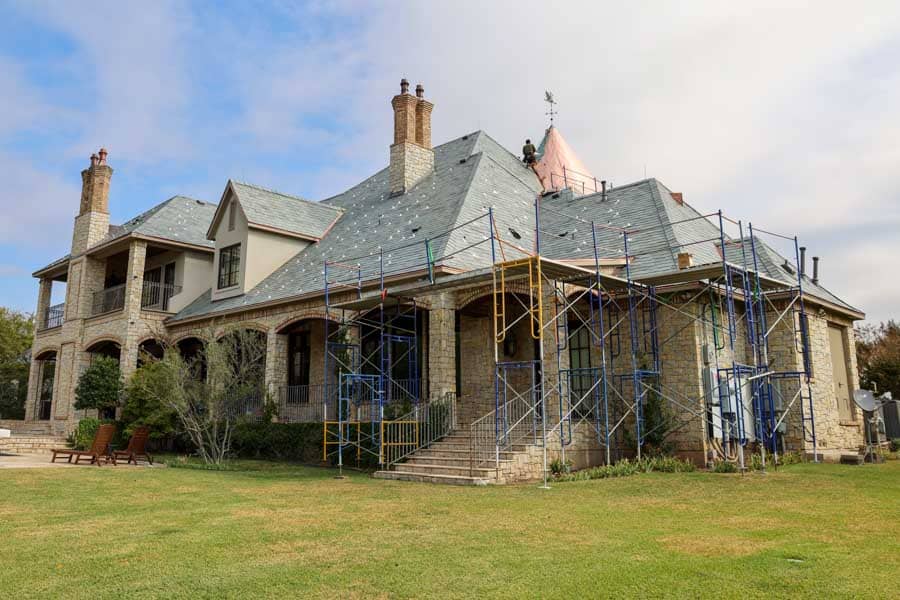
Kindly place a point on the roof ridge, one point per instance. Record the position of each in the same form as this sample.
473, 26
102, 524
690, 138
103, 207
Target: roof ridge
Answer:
465, 196
276, 192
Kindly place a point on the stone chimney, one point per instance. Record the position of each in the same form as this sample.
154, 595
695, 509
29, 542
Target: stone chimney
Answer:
92, 222
412, 158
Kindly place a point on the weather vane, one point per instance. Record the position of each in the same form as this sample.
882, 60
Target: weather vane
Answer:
548, 98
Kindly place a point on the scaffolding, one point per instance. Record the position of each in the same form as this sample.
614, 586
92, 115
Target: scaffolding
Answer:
615, 308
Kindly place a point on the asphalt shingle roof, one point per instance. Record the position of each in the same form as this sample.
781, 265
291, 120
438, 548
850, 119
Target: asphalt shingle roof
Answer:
282, 211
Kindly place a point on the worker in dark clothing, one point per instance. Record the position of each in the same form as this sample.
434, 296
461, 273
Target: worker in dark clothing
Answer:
529, 152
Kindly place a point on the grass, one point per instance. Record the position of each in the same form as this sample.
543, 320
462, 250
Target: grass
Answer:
280, 530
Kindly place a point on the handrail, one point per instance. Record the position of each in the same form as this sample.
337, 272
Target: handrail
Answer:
54, 316
156, 295
486, 440
108, 300
417, 429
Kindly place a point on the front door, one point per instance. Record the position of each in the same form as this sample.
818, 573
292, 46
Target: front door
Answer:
839, 372
299, 358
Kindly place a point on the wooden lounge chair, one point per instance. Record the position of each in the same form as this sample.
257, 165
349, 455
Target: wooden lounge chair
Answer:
98, 453
136, 447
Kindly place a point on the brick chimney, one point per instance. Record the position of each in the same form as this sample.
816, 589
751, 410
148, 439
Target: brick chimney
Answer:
92, 222
412, 158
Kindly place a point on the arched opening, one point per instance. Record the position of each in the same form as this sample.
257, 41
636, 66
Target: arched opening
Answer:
43, 408
245, 353
149, 350
108, 348
476, 347
305, 392
193, 352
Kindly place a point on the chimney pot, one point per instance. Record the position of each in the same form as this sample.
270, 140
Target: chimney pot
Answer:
94, 159
404, 86
815, 277
802, 260
420, 91
685, 260
103, 154
603, 190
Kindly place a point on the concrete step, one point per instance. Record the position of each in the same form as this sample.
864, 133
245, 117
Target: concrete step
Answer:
431, 478
443, 469
435, 451
416, 460
31, 444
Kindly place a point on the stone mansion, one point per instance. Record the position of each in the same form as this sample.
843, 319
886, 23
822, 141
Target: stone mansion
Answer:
557, 313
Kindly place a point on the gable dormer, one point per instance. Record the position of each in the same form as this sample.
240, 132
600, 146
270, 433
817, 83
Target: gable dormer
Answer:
256, 230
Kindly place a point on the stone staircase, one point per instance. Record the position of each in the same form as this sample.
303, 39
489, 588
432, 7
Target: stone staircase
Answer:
447, 461
30, 437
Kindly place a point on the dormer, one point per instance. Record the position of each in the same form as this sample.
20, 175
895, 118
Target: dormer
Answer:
256, 230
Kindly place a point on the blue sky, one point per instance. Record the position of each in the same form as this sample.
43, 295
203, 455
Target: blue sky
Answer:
784, 114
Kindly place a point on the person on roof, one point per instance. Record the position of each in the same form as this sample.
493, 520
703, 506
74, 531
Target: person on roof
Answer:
528, 152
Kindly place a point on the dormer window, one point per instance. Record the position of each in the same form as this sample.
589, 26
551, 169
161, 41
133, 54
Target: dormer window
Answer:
231, 217
229, 266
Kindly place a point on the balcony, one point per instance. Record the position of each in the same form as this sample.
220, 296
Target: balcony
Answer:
108, 300
54, 316
156, 295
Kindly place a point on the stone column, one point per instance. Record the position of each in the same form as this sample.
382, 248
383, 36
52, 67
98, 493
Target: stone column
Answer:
34, 389
45, 291
134, 288
442, 347
276, 363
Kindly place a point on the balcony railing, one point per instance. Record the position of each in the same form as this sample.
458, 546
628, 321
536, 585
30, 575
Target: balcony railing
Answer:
54, 316
156, 295
108, 300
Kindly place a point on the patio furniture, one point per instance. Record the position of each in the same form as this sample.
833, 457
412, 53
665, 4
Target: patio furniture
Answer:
98, 453
136, 447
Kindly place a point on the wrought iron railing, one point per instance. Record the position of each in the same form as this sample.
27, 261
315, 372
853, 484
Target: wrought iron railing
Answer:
419, 428
517, 421
108, 300
306, 403
316, 403
156, 295
54, 316
245, 405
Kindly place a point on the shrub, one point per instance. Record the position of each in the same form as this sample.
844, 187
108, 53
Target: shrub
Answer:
558, 467
84, 433
299, 442
625, 467
724, 466
100, 386
895, 445
142, 405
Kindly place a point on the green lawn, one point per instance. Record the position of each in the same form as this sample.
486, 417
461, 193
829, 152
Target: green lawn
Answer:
807, 530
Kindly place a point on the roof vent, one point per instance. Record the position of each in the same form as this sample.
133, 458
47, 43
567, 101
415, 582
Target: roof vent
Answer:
462, 161
685, 260
515, 233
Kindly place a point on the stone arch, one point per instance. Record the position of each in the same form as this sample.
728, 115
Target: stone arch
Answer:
104, 346
312, 314
249, 325
466, 297
46, 361
150, 348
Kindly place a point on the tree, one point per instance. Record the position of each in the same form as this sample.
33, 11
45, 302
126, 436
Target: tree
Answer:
16, 334
142, 405
878, 357
100, 387
207, 408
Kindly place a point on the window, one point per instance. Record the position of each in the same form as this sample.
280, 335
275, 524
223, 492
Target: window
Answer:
581, 375
229, 266
231, 217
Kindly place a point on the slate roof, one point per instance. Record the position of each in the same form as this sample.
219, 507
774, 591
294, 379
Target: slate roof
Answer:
178, 219
449, 207
774, 265
471, 174
282, 211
